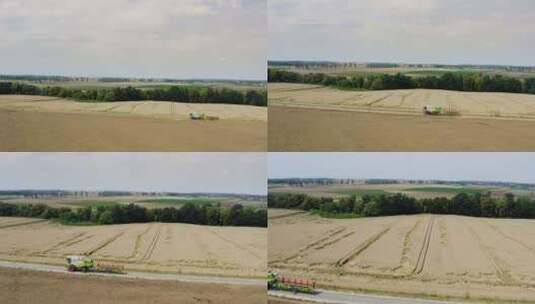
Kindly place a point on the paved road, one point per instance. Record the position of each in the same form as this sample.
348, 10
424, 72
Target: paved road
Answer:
335, 297
140, 275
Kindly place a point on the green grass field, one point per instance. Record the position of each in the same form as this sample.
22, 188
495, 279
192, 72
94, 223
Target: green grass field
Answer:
182, 201
360, 192
452, 190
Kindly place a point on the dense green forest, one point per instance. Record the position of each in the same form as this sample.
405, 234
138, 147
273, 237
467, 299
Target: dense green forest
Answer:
190, 94
473, 82
473, 204
205, 214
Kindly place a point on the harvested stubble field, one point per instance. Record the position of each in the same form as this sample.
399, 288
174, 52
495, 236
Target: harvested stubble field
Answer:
467, 104
174, 248
421, 255
49, 123
23, 286
317, 118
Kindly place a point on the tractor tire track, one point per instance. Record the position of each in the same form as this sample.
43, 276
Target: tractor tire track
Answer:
150, 250
22, 224
422, 256
236, 244
502, 275
104, 244
64, 244
407, 242
137, 245
531, 249
361, 247
371, 103
303, 250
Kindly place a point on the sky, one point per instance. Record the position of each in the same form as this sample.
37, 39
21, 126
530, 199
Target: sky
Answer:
243, 173
506, 167
410, 31
134, 38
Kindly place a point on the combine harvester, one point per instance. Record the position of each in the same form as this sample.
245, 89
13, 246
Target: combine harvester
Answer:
276, 282
86, 264
201, 116
433, 110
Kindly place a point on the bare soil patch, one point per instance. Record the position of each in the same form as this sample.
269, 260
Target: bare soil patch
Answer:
23, 286
48, 131
305, 129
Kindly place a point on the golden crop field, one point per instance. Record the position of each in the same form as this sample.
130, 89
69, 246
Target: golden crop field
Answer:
462, 104
174, 248
433, 255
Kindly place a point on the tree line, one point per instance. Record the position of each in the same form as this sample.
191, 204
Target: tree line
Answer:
475, 204
207, 214
472, 82
189, 94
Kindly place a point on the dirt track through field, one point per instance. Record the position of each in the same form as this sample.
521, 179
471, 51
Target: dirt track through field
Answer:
44, 131
301, 129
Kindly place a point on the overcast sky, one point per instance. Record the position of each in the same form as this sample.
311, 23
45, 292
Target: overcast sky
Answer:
134, 38
509, 167
173, 172
416, 31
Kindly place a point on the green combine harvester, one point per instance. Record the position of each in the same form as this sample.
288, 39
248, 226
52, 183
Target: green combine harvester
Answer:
433, 110
82, 263
277, 282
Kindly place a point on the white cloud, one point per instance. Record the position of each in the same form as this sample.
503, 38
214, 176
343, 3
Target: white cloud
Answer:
178, 172
162, 38
449, 31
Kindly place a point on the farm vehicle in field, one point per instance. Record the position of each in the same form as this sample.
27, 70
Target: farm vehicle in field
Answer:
433, 110
277, 282
86, 264
201, 116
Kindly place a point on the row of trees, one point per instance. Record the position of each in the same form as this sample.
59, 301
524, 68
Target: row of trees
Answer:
237, 215
473, 82
191, 94
476, 204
